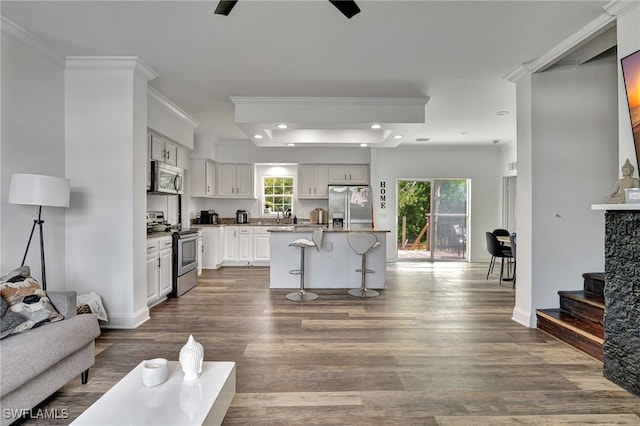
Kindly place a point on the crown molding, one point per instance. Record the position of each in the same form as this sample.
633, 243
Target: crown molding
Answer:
171, 107
11, 29
133, 63
593, 29
617, 7
584, 35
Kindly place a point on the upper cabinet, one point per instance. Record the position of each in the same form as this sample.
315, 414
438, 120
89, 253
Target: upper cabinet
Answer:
235, 180
203, 178
163, 150
357, 174
313, 180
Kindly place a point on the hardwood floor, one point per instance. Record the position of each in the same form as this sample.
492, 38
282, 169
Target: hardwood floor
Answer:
438, 347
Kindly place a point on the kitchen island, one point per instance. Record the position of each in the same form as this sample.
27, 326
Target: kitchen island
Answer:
334, 266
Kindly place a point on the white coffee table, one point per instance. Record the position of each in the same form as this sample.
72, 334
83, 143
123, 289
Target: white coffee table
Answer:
175, 402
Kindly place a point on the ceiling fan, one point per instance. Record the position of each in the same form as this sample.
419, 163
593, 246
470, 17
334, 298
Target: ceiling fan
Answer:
349, 8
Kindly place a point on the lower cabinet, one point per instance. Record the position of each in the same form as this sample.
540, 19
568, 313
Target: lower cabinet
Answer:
261, 246
212, 247
159, 269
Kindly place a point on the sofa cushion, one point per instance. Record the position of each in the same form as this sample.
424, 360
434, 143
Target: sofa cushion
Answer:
27, 355
26, 298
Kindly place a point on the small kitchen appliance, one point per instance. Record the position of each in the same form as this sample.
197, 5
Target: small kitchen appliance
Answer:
242, 216
165, 179
208, 217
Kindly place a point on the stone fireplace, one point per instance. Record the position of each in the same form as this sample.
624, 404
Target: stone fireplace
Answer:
622, 295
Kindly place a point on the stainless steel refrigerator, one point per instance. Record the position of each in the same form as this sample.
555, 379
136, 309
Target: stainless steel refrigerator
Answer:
350, 206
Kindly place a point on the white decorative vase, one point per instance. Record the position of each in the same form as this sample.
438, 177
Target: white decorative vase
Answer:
155, 371
191, 357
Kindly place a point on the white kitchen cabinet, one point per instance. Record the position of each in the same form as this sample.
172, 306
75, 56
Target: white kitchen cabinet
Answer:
199, 253
163, 150
212, 246
153, 267
261, 247
238, 245
235, 180
166, 267
313, 180
159, 269
352, 174
203, 178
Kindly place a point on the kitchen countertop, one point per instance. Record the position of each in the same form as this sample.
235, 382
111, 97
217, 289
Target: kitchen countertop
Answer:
311, 228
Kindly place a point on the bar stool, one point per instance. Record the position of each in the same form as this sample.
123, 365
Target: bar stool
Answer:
362, 243
316, 240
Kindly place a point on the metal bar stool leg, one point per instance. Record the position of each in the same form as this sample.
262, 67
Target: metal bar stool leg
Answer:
363, 291
301, 295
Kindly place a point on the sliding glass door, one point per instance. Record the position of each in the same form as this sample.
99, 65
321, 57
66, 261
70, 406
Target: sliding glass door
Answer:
432, 219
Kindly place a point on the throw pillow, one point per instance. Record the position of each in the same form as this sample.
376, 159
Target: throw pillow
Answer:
11, 322
27, 299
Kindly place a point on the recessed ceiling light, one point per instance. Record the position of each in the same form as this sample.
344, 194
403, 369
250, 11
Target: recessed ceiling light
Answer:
291, 144
257, 136
363, 145
465, 132
496, 140
376, 126
282, 126
398, 137
422, 139
502, 112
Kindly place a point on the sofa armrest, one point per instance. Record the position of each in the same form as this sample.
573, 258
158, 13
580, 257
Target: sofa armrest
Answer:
64, 302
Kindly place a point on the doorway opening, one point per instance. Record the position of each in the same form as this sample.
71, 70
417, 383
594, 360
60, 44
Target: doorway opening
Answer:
432, 219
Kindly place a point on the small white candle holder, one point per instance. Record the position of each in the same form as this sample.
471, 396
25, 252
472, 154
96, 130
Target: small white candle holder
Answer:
155, 371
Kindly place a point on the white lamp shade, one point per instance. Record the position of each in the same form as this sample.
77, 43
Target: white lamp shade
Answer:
39, 190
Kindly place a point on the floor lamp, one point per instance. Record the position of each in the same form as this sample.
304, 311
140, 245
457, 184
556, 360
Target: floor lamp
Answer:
41, 191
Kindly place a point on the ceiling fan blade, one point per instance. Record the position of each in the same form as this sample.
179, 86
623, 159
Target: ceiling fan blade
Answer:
225, 6
349, 8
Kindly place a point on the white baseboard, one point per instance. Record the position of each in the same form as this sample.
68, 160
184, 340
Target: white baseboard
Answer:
127, 321
523, 317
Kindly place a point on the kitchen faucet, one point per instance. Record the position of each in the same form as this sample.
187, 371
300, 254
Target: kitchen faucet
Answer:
278, 217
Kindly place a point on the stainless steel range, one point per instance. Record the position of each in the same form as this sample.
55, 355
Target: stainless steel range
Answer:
185, 261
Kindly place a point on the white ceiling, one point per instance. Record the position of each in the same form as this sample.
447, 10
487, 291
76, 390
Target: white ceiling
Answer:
456, 53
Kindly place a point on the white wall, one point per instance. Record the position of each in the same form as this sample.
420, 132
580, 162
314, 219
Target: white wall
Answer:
168, 120
566, 162
32, 142
106, 118
482, 166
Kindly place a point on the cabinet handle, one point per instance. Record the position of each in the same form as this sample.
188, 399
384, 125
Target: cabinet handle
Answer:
158, 262
349, 176
168, 155
345, 177
237, 190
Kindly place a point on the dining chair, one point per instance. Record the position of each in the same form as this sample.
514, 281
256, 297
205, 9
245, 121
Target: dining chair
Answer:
499, 232
512, 238
497, 250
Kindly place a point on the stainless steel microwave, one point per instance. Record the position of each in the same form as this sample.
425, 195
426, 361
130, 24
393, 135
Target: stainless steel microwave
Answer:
166, 179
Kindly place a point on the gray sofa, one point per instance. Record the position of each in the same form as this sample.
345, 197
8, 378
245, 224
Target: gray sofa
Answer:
37, 362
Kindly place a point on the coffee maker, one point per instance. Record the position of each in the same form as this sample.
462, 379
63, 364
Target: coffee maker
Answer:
208, 217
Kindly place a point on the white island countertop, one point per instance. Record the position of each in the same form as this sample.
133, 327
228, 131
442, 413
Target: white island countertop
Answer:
334, 266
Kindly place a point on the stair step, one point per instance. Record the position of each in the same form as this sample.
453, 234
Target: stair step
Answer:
583, 305
594, 282
586, 336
